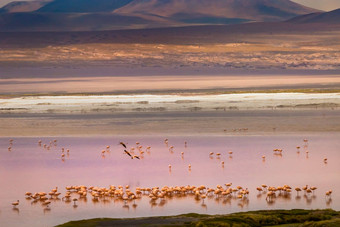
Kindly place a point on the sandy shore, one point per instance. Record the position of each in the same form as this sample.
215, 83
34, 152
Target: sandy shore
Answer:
250, 113
89, 104
170, 114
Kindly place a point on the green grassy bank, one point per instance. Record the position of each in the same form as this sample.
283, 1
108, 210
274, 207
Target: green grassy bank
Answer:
287, 218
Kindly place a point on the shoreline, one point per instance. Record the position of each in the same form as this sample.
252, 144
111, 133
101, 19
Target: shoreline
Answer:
195, 114
167, 103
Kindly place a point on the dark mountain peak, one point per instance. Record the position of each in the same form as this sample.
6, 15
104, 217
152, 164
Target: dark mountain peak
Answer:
89, 15
332, 17
23, 6
258, 10
83, 6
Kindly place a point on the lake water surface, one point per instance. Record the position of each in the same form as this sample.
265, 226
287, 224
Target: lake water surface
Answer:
30, 167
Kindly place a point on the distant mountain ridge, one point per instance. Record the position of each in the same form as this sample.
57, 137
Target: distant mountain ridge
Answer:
82, 6
331, 17
256, 10
93, 15
23, 6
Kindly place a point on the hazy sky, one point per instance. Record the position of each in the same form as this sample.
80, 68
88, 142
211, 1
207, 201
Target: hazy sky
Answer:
318, 4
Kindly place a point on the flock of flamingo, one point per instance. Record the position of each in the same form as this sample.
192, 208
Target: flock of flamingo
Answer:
199, 193
161, 194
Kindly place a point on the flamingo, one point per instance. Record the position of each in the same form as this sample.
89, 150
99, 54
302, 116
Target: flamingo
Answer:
305, 188
46, 203
259, 189
128, 153
328, 193
123, 144
15, 203
297, 190
228, 185
313, 188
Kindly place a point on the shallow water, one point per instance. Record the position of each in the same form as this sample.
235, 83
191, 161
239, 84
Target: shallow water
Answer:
29, 167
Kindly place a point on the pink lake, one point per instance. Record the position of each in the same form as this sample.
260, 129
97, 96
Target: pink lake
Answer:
29, 167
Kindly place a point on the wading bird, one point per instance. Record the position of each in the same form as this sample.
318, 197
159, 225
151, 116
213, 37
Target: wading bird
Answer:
128, 153
328, 193
123, 144
15, 203
297, 190
135, 156
46, 203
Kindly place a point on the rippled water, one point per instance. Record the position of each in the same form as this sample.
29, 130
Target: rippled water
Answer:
29, 167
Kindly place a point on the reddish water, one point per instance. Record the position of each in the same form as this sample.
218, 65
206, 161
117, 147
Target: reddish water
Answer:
28, 167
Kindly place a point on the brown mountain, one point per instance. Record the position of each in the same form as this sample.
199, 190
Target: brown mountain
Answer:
23, 6
83, 6
72, 22
94, 15
332, 17
203, 11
